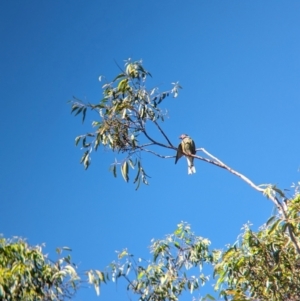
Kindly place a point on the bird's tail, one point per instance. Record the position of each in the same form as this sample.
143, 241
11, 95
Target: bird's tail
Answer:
191, 170
191, 167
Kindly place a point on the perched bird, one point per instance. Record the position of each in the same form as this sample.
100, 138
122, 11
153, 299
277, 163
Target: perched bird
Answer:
188, 147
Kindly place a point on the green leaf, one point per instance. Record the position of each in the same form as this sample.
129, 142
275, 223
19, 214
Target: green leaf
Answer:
97, 289
122, 85
138, 183
177, 245
162, 97
101, 276
85, 160
124, 171
131, 163
74, 108
270, 220
83, 114
113, 169
90, 276
70, 269
138, 172
84, 144
274, 227
83, 156
141, 274
280, 192
119, 76
79, 111
77, 139
67, 248
122, 254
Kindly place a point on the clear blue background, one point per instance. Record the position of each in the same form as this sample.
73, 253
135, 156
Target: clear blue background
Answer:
239, 65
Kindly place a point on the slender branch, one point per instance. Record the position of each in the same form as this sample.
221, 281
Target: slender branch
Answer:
145, 145
119, 66
221, 164
156, 154
143, 130
244, 178
276, 202
163, 133
155, 142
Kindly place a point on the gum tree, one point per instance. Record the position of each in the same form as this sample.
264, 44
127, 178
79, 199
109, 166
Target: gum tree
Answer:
27, 274
261, 265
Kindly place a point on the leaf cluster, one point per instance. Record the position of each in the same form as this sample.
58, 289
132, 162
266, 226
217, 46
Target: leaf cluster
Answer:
264, 265
27, 274
167, 275
123, 113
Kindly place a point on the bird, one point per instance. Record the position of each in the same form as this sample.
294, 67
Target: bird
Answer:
187, 146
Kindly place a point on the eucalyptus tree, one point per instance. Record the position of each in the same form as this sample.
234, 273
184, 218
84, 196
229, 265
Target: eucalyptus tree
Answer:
262, 265
26, 273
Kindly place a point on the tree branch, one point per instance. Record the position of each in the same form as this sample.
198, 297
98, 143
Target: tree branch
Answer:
221, 164
163, 133
276, 202
156, 154
155, 142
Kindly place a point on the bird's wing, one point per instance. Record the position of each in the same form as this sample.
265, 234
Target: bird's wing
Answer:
179, 153
193, 147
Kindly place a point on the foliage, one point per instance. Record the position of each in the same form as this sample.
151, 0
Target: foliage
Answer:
168, 274
124, 112
27, 274
264, 265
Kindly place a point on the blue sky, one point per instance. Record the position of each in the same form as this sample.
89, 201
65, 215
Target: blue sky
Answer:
239, 65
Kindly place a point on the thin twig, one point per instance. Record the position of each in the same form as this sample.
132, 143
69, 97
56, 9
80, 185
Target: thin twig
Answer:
155, 142
163, 133
119, 66
156, 154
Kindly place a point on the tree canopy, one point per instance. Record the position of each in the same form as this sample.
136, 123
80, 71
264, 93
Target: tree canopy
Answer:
262, 265
124, 114
27, 274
